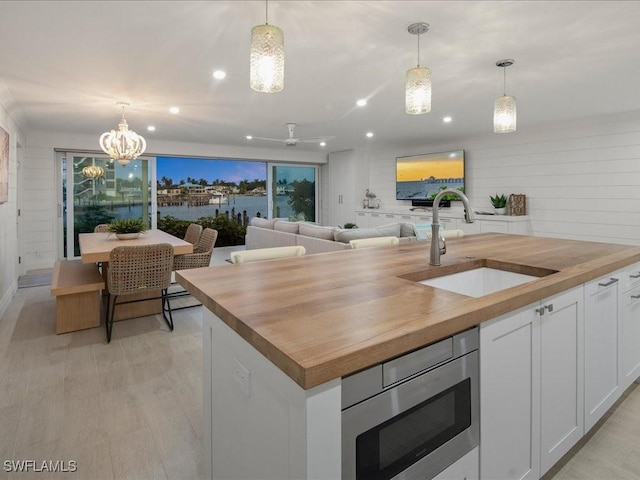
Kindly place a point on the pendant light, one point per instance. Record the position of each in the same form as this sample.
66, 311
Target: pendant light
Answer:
94, 172
504, 110
122, 145
418, 86
267, 57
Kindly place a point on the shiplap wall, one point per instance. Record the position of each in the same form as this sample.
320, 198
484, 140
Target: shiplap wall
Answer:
8, 210
582, 180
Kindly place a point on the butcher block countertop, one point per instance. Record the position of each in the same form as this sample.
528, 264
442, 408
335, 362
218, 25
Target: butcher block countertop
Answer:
325, 316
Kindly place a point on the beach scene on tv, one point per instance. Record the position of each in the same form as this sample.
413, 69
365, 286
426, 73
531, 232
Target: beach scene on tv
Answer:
421, 177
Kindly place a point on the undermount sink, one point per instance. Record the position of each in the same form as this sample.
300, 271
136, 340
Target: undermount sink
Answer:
484, 277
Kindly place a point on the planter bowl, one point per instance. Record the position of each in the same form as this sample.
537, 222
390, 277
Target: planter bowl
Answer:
127, 236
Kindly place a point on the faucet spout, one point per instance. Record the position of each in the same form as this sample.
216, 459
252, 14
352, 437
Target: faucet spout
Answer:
436, 251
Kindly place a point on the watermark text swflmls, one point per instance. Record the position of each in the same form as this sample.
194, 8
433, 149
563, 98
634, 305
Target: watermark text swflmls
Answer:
61, 466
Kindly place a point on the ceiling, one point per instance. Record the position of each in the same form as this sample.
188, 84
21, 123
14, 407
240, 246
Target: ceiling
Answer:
67, 64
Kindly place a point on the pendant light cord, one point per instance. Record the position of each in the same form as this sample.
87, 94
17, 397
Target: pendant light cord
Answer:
418, 49
504, 80
266, 12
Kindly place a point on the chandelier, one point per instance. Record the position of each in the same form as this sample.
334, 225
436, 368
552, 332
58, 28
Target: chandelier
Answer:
267, 57
504, 110
418, 87
93, 172
122, 145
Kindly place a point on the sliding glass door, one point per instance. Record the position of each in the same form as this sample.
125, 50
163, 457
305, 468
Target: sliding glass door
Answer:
293, 192
95, 190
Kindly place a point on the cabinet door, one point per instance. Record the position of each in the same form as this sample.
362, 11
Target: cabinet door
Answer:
341, 199
630, 337
509, 396
494, 226
561, 368
376, 219
601, 387
362, 219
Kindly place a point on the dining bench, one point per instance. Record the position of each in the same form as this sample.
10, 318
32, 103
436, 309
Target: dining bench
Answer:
77, 288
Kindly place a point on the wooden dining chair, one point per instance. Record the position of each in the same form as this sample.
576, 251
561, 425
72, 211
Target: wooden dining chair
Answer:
101, 228
192, 235
373, 242
135, 270
246, 256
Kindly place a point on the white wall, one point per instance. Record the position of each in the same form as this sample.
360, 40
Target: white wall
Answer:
39, 242
8, 211
582, 180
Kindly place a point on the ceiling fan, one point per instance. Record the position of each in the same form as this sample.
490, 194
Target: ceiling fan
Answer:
292, 141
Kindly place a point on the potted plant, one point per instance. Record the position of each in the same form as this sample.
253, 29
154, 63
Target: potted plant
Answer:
349, 225
499, 203
127, 228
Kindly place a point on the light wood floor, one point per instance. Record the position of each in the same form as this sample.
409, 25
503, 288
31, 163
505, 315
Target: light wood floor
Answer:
611, 450
132, 409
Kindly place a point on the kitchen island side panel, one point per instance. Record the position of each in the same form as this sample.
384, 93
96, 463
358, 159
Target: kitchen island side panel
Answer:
260, 424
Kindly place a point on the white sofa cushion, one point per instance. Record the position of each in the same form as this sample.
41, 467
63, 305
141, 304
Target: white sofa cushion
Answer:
345, 236
263, 222
316, 231
285, 226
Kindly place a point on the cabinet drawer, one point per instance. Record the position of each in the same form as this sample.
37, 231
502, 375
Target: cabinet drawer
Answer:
630, 278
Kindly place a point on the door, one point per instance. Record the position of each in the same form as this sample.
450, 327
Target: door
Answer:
601, 387
95, 190
293, 192
561, 375
509, 393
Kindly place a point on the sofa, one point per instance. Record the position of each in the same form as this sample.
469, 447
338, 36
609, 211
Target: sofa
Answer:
277, 232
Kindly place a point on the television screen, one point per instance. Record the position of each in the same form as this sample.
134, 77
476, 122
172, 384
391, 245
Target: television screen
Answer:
421, 177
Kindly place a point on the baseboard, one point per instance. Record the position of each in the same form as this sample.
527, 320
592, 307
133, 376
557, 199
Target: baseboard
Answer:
8, 296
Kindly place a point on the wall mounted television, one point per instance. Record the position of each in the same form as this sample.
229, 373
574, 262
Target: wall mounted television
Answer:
419, 178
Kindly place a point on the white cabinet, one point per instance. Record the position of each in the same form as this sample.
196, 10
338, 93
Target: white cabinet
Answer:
509, 383
629, 324
376, 219
531, 387
601, 382
362, 219
469, 228
561, 375
341, 199
465, 468
494, 226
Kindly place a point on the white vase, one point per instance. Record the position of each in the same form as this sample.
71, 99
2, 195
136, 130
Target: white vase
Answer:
127, 236
500, 211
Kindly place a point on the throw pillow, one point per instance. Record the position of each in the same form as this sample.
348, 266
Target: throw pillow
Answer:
263, 222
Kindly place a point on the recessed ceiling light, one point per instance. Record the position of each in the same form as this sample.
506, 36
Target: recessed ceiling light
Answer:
151, 128
323, 144
447, 119
249, 137
174, 110
369, 134
219, 74
362, 102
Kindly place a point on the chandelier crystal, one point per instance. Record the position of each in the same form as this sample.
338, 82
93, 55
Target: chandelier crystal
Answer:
267, 58
418, 85
93, 172
122, 145
504, 110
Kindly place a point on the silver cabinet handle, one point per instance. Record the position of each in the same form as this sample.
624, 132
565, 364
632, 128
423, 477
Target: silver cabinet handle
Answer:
635, 276
540, 311
635, 296
549, 307
609, 283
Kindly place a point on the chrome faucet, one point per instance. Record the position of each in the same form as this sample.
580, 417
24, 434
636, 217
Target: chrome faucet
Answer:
436, 250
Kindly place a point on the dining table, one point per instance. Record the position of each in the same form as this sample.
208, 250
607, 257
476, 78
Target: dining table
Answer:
96, 248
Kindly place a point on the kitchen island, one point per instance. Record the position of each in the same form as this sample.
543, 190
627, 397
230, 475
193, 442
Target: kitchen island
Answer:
280, 335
